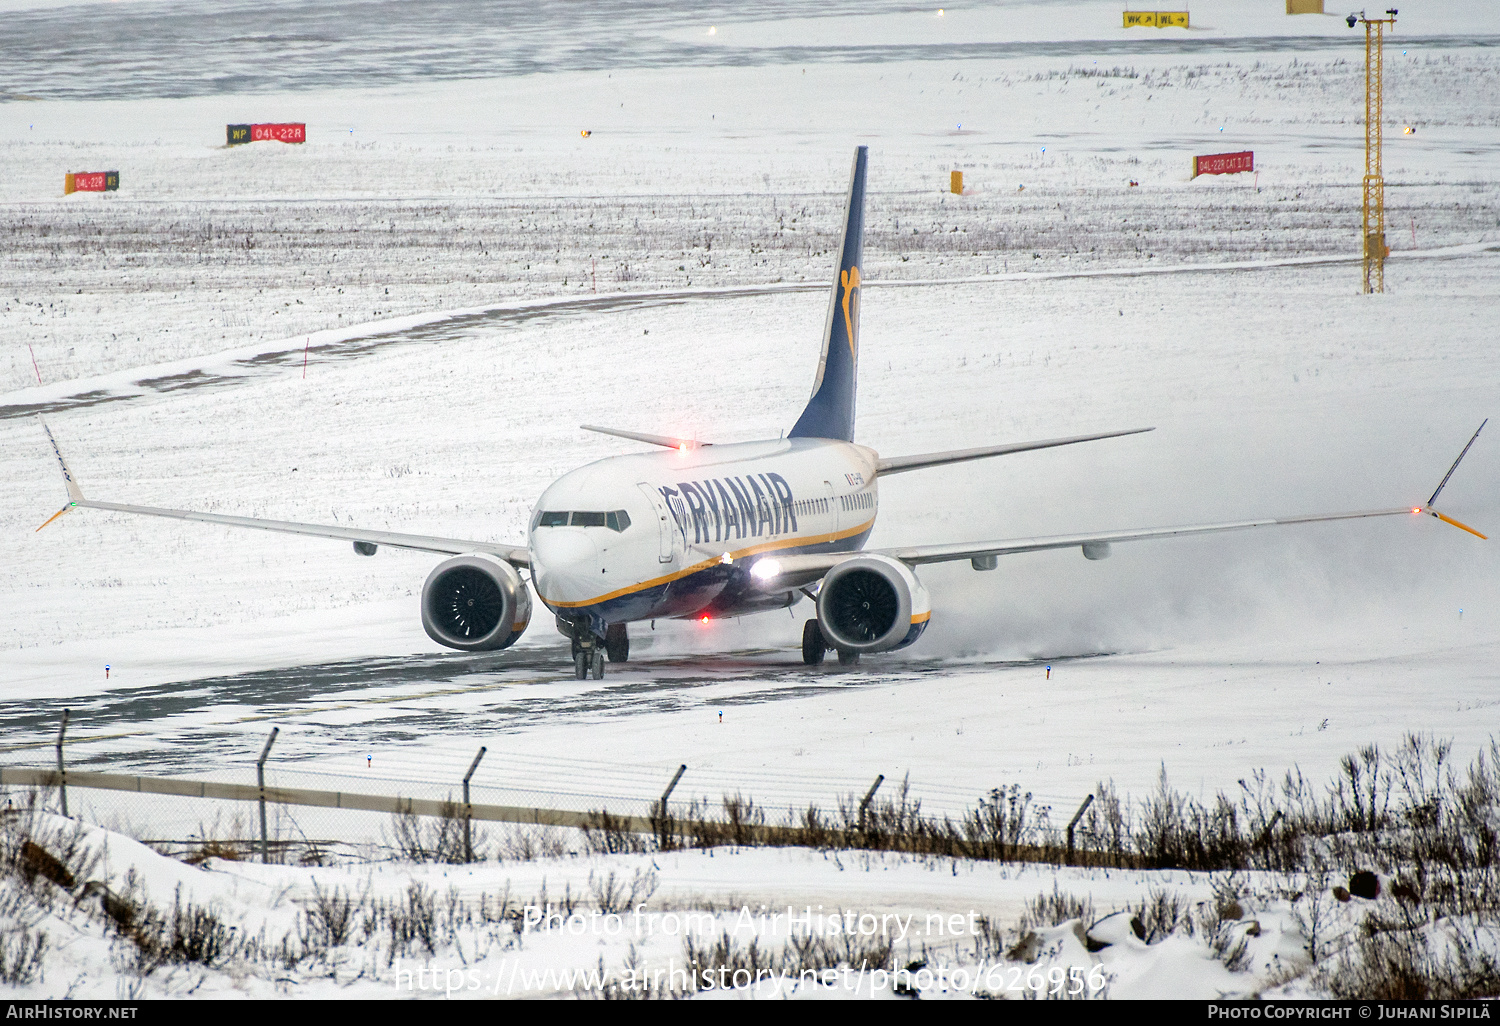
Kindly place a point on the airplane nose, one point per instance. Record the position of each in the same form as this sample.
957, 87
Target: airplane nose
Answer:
565, 564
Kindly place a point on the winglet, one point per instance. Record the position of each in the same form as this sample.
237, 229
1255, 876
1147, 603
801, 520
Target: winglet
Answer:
75, 494
1444, 483
1455, 523
56, 515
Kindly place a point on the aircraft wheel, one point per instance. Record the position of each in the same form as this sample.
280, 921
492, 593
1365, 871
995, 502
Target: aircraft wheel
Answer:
580, 665
617, 643
814, 647
848, 658
597, 663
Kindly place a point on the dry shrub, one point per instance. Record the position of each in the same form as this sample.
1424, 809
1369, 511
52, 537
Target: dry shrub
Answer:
436, 838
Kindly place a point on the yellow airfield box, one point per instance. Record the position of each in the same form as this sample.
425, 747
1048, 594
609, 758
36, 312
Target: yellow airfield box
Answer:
1156, 19
956, 182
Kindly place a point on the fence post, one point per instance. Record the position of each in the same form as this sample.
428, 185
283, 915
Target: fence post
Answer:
62, 769
260, 780
468, 809
1074, 822
665, 820
869, 797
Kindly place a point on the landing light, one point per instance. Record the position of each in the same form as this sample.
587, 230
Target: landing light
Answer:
1416, 509
765, 569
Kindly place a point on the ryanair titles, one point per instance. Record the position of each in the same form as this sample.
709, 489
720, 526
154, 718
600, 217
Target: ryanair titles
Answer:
722, 509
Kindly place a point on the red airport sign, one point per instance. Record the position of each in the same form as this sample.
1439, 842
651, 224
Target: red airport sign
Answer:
91, 181
1224, 163
287, 132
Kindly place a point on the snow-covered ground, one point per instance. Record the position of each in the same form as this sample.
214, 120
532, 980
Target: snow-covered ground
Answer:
794, 923
1274, 386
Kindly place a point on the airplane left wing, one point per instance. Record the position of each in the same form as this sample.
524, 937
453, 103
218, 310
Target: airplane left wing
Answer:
516, 555
1097, 546
786, 572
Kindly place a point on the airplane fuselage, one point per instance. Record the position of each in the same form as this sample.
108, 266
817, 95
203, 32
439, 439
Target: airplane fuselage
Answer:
676, 533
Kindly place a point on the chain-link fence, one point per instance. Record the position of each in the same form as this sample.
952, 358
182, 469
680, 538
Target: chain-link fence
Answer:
520, 806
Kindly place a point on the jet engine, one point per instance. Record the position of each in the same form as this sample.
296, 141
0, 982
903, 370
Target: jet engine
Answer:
475, 603
872, 604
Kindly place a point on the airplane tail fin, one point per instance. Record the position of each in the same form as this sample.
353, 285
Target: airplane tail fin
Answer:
830, 411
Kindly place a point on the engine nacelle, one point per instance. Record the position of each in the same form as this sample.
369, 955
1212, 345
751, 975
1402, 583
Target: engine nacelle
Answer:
475, 603
872, 604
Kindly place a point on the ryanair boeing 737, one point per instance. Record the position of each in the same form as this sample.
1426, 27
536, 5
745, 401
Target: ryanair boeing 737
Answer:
695, 530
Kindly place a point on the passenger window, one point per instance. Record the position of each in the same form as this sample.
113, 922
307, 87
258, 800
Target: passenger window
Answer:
552, 519
619, 520
588, 519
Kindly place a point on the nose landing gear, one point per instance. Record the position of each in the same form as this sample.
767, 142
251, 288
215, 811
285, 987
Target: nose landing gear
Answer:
589, 662
588, 658
589, 649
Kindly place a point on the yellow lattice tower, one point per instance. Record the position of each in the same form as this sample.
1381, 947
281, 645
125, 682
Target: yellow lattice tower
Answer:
1375, 249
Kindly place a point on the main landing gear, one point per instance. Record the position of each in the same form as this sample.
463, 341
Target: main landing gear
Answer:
617, 643
815, 647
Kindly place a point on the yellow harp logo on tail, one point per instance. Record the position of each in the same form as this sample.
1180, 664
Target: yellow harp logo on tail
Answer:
850, 280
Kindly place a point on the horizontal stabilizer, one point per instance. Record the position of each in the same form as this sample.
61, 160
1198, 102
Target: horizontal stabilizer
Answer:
899, 464
667, 441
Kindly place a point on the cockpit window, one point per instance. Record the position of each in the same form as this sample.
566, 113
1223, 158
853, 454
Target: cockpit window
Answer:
615, 520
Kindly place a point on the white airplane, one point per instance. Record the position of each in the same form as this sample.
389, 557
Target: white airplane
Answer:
695, 530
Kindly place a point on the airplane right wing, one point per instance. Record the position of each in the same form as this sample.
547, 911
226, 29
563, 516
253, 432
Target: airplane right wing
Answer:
667, 441
365, 541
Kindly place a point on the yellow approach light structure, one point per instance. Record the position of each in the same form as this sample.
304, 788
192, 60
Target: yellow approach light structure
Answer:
1374, 186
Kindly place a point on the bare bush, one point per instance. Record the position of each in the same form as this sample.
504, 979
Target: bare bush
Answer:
21, 951
330, 917
609, 835
613, 894
527, 843
1058, 907
435, 838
